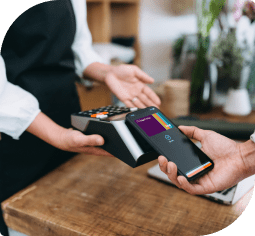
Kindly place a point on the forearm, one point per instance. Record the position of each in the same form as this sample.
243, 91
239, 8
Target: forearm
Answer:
247, 152
97, 71
65, 139
46, 129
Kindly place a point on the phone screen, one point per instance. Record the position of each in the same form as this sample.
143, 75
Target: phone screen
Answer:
169, 141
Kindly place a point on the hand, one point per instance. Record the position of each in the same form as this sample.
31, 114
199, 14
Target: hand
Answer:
128, 83
229, 167
66, 139
75, 141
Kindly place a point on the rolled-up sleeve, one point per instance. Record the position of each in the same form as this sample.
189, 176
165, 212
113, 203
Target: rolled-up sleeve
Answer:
18, 108
82, 48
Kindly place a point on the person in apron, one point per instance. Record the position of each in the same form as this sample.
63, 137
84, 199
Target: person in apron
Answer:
38, 56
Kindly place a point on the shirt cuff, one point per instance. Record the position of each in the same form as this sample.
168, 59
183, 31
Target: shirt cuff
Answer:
252, 137
18, 109
82, 61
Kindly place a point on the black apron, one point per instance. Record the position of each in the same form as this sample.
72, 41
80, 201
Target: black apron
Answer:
38, 57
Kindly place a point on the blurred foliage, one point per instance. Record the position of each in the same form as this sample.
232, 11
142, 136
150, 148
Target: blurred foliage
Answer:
177, 48
228, 57
207, 12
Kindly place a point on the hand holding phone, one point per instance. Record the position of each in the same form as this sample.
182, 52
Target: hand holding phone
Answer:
229, 168
170, 142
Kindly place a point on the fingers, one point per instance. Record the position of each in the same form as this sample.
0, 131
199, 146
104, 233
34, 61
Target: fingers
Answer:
170, 169
128, 103
141, 75
151, 95
193, 132
74, 140
172, 173
163, 163
145, 100
138, 103
191, 188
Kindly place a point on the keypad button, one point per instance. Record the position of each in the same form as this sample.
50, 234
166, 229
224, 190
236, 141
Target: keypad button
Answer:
106, 110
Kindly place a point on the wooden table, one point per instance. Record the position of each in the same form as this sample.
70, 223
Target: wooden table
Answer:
94, 195
217, 113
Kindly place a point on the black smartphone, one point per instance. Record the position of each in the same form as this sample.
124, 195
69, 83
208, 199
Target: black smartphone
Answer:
166, 139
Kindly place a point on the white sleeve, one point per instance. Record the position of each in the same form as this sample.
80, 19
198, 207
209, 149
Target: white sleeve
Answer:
18, 108
84, 53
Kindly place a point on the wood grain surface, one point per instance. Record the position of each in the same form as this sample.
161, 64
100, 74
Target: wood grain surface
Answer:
95, 195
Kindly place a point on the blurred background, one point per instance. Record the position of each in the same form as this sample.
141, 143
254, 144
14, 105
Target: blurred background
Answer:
200, 53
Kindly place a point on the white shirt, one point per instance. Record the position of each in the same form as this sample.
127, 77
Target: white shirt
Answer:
82, 48
18, 108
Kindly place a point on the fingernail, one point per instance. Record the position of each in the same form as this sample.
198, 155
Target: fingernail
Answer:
99, 141
160, 164
168, 170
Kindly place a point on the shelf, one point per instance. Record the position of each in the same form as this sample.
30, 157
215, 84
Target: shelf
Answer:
114, 18
98, 14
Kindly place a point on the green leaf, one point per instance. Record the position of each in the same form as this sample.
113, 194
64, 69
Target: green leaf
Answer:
208, 12
215, 8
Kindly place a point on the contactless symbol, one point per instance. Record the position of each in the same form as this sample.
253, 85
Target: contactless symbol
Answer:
168, 137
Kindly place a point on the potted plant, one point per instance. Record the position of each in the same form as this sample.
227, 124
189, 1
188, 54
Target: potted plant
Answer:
227, 55
232, 66
233, 54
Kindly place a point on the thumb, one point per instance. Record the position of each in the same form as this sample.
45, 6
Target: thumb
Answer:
193, 132
81, 139
94, 140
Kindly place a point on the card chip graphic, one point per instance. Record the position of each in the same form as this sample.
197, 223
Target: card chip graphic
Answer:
154, 124
162, 120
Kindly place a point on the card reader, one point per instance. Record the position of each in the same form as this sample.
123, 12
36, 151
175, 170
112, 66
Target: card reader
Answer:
121, 140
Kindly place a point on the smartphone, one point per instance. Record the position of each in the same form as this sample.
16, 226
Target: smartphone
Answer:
166, 139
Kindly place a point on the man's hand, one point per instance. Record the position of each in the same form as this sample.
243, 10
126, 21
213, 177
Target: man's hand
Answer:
127, 82
229, 167
66, 139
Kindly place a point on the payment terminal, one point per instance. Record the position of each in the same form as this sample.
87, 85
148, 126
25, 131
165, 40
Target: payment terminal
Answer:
121, 139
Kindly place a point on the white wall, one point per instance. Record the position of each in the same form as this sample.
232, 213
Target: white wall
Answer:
158, 29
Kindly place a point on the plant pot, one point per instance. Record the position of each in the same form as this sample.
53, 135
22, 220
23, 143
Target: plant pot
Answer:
238, 102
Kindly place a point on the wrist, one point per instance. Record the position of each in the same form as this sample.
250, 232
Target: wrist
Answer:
47, 130
57, 139
247, 153
97, 71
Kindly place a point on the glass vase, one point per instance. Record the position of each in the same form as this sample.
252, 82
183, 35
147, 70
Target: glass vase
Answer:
200, 94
